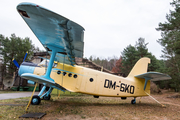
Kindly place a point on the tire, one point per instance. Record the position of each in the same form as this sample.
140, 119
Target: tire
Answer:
47, 97
123, 98
133, 101
35, 100
96, 96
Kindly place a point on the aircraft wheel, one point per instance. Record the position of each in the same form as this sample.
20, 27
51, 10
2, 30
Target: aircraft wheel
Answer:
47, 97
35, 100
96, 96
133, 101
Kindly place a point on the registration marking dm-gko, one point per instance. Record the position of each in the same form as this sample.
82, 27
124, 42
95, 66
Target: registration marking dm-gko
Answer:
123, 87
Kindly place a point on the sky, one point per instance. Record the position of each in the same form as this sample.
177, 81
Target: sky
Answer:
110, 25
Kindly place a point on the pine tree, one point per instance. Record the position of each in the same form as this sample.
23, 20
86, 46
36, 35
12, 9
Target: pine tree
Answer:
131, 54
129, 58
170, 33
14, 47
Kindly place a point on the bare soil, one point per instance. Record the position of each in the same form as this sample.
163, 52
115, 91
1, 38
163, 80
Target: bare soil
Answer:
103, 108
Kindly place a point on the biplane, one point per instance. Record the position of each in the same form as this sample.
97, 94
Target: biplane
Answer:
64, 40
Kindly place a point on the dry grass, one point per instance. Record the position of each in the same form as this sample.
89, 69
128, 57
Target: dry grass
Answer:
87, 107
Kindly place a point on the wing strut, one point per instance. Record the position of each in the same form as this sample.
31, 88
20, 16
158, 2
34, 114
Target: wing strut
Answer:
49, 68
146, 80
31, 98
63, 69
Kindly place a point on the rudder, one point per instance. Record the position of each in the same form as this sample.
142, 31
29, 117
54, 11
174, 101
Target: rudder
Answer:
140, 67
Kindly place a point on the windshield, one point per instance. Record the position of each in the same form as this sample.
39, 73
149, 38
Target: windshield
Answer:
45, 63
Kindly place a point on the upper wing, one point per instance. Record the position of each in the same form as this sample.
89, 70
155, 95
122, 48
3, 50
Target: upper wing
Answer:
55, 31
154, 76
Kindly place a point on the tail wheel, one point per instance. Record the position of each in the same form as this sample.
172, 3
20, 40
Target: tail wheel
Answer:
47, 97
35, 100
133, 101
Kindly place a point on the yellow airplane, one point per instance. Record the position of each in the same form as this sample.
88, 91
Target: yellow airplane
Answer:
63, 39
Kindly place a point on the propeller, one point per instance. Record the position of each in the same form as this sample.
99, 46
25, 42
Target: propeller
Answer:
25, 56
8, 81
17, 65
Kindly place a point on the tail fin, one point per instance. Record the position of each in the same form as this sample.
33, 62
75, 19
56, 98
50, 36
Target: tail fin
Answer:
140, 67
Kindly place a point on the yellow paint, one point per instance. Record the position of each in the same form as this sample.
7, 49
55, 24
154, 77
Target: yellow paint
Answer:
140, 67
98, 83
31, 98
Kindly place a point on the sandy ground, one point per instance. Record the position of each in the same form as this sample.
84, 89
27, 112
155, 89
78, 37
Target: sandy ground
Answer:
103, 108
89, 108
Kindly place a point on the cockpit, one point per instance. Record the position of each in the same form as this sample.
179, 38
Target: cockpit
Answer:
45, 63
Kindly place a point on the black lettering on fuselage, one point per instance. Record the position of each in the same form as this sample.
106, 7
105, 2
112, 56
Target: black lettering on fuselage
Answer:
132, 89
106, 83
109, 84
127, 88
123, 87
112, 85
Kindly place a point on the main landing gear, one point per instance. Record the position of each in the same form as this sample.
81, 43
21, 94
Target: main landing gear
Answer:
36, 99
133, 101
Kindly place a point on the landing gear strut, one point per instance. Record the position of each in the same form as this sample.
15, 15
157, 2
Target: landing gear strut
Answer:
36, 99
48, 97
133, 101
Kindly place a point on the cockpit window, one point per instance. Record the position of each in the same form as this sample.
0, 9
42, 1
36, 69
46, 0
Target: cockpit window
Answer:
45, 63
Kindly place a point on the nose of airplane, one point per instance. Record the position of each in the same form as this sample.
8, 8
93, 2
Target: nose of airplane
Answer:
27, 67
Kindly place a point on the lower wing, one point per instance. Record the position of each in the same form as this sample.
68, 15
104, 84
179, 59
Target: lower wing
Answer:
43, 80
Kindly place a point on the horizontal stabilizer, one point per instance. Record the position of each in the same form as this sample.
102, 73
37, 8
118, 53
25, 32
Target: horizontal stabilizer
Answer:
43, 80
154, 76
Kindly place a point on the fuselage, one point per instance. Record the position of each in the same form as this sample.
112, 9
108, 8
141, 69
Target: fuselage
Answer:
88, 81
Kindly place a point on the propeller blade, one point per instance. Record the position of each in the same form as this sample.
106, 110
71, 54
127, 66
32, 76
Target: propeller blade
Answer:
25, 56
16, 63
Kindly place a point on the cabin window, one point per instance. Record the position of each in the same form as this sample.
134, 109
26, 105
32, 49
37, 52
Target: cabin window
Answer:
64, 73
75, 76
70, 75
91, 80
58, 72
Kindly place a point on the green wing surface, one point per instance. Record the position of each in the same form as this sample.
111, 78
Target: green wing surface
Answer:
55, 31
154, 76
